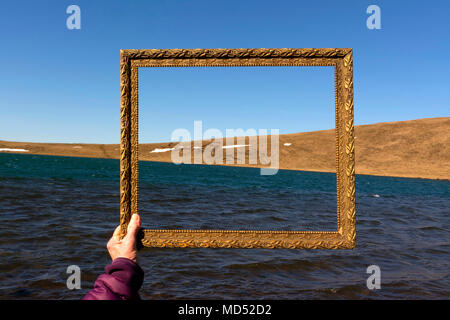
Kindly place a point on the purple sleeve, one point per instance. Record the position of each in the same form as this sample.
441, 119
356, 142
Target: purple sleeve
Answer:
121, 281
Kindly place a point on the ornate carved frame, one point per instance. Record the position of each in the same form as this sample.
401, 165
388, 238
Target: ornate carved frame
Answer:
342, 59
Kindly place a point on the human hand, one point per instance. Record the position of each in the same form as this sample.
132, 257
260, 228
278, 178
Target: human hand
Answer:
126, 247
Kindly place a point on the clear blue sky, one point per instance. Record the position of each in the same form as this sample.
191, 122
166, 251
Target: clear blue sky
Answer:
60, 85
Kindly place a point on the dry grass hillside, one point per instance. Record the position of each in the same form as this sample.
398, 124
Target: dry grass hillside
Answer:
415, 148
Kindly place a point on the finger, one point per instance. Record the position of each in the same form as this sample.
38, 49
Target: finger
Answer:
133, 226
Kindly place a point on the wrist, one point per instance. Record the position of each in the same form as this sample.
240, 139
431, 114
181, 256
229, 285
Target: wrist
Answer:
126, 258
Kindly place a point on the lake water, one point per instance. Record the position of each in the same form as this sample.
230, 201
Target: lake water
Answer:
60, 211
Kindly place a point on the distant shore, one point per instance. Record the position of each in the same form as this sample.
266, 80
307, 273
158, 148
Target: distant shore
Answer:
410, 149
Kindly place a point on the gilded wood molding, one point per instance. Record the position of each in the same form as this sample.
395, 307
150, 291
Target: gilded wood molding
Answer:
341, 59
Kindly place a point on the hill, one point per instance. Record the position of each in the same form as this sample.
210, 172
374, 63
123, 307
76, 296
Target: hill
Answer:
414, 148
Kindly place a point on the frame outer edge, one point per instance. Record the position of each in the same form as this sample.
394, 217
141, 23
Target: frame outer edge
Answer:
241, 239
349, 208
344, 238
125, 142
137, 54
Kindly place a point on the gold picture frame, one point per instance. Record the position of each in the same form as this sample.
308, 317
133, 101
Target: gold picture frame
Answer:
342, 59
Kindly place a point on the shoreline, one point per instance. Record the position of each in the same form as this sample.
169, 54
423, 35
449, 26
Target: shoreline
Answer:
418, 149
232, 165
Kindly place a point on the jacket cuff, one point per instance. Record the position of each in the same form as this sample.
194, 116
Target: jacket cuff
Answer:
128, 271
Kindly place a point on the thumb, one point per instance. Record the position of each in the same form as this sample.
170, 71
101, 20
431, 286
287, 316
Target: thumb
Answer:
116, 233
133, 226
